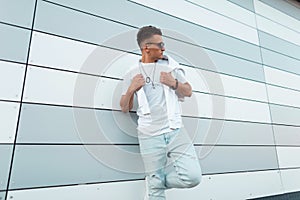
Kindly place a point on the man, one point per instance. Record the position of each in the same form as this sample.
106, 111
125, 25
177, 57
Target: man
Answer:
169, 156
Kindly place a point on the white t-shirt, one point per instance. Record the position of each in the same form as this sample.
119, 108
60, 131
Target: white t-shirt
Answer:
157, 122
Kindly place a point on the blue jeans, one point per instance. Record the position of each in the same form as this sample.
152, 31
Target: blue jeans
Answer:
170, 162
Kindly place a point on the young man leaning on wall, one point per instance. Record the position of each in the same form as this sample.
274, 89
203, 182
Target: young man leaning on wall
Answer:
158, 83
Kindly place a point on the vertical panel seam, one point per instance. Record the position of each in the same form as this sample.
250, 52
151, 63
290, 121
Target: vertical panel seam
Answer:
267, 93
20, 107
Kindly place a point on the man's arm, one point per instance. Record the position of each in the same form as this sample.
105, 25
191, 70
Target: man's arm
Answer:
126, 101
184, 89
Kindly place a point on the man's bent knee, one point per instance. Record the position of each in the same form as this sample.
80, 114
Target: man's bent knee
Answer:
193, 179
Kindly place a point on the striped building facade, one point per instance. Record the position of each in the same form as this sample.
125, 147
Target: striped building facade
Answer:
63, 136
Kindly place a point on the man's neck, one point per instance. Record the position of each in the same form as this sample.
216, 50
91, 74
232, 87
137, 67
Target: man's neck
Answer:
146, 59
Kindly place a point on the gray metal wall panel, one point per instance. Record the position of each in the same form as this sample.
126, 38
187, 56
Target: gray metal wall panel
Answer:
59, 165
62, 25
210, 131
284, 7
279, 45
237, 67
14, 43
280, 61
2, 195
285, 115
248, 4
5, 158
287, 135
17, 12
224, 159
9, 112
216, 61
66, 22
55, 124
44, 165
11, 74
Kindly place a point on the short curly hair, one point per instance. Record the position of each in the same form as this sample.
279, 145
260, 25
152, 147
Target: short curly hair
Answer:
147, 32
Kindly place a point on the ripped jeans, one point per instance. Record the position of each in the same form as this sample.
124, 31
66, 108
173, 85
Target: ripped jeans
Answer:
170, 162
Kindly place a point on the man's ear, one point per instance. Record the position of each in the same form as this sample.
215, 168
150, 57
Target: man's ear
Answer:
147, 49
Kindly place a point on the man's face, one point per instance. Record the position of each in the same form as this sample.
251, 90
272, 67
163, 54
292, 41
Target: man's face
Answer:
156, 47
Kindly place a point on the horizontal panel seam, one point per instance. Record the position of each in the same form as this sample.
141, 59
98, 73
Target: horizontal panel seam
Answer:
193, 23
277, 23
225, 16
70, 185
189, 22
15, 26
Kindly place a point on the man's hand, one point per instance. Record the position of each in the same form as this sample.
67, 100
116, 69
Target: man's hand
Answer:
183, 89
126, 101
137, 82
167, 79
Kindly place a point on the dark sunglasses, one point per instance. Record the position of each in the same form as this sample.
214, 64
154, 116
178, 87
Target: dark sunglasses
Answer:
159, 45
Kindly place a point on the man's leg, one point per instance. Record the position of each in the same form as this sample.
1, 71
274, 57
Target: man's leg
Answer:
183, 170
153, 151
